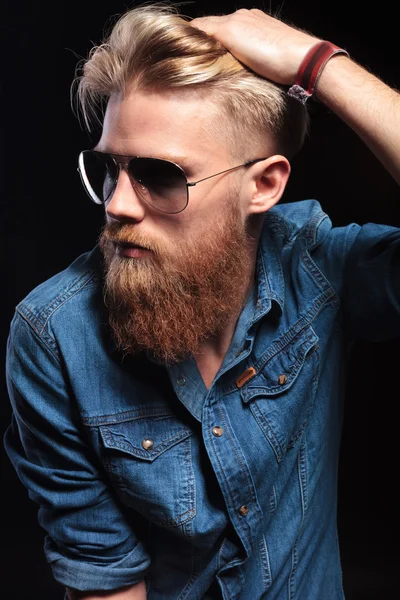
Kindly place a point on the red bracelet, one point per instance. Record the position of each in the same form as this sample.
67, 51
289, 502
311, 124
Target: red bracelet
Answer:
311, 68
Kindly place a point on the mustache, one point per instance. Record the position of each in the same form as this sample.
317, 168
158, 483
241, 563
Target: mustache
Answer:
124, 234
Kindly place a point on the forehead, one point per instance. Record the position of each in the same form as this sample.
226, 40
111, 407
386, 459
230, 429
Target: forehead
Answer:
169, 123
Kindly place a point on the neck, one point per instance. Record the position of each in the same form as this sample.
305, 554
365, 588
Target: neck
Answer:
218, 345
213, 350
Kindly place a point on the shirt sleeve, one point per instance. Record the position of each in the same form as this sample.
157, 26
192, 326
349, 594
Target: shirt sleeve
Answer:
90, 542
371, 293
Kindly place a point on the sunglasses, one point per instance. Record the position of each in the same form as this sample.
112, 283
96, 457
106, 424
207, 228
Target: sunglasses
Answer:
160, 183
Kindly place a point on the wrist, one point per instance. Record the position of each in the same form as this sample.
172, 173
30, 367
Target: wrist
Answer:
333, 77
311, 69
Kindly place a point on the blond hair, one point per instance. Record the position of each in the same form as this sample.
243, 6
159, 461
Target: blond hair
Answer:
154, 48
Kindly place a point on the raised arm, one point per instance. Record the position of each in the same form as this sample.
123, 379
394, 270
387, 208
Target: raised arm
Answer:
275, 51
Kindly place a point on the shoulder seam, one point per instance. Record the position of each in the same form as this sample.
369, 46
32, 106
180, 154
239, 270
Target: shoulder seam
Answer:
43, 337
311, 228
40, 322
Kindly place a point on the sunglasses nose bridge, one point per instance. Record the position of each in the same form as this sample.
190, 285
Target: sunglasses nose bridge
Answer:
124, 166
120, 204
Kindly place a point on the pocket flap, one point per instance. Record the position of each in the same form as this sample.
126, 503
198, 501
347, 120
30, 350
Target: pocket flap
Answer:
281, 369
144, 438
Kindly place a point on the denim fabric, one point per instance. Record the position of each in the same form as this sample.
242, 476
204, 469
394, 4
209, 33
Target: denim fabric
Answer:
116, 512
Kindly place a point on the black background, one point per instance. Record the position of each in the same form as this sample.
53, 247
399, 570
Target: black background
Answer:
47, 220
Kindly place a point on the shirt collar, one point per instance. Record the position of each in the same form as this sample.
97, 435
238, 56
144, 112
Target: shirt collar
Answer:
269, 276
269, 281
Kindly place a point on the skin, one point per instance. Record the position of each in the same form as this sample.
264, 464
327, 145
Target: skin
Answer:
136, 592
142, 124
275, 51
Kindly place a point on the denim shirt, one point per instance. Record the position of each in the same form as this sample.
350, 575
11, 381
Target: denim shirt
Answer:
141, 472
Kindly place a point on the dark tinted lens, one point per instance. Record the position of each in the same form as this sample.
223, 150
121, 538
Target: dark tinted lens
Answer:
164, 182
100, 175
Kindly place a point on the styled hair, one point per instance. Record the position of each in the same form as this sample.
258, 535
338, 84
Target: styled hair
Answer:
154, 48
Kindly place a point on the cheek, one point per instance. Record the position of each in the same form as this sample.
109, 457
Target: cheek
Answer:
199, 217
197, 226
205, 204
184, 224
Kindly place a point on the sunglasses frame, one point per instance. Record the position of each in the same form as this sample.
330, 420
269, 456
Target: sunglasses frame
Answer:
122, 162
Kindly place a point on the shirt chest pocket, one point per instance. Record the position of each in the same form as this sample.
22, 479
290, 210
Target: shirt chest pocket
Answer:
149, 461
281, 395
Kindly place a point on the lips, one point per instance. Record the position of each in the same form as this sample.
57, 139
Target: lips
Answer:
130, 250
129, 245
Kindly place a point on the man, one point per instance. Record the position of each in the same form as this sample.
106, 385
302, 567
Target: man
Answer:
177, 391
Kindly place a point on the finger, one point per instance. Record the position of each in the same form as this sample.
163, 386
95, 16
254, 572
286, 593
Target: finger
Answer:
208, 24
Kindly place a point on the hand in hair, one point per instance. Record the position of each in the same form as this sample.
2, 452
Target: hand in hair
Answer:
275, 51
265, 44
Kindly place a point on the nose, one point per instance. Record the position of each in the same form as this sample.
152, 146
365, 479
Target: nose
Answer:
125, 204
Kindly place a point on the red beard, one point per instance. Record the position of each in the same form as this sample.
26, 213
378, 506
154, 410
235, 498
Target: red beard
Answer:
171, 302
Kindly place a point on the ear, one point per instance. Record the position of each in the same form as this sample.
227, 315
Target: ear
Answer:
267, 184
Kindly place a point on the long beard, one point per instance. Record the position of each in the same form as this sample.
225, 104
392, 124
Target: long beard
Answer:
173, 300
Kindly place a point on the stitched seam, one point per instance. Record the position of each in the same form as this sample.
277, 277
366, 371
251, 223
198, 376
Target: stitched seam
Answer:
292, 441
30, 318
243, 471
314, 381
293, 572
175, 522
59, 301
34, 321
216, 455
265, 564
65, 301
259, 416
190, 477
251, 390
272, 501
42, 336
311, 229
220, 554
291, 334
277, 224
144, 454
317, 274
302, 475
284, 341
294, 368
132, 415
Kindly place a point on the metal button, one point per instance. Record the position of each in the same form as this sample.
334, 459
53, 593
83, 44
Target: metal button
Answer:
282, 379
147, 444
217, 431
181, 381
243, 510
